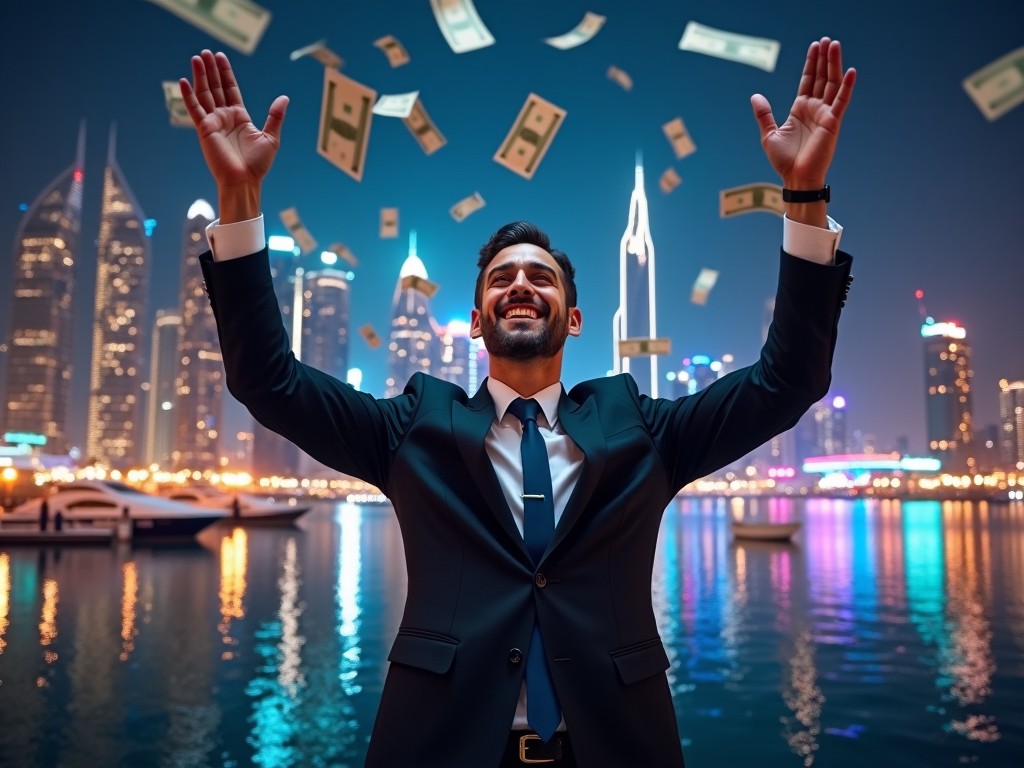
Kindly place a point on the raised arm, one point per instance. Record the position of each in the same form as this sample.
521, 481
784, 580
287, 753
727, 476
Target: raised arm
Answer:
801, 149
237, 153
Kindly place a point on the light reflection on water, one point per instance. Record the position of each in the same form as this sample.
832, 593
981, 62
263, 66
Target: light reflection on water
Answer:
886, 632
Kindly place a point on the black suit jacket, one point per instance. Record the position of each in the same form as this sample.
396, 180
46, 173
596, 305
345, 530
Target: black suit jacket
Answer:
474, 594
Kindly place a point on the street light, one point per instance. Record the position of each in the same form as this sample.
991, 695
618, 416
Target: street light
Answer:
9, 475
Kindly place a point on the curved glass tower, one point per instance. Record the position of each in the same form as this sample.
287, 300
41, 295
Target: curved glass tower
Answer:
412, 342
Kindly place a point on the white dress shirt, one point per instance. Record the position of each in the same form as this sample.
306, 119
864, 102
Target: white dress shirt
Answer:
503, 440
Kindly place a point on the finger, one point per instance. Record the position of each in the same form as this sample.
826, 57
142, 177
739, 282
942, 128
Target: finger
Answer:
275, 118
188, 96
835, 72
202, 82
842, 99
810, 67
821, 74
232, 93
763, 115
213, 77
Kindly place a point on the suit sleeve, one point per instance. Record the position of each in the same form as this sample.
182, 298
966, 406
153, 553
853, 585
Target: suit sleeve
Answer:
701, 433
337, 425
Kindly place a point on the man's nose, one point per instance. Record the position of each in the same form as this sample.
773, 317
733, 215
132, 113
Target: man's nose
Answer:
521, 284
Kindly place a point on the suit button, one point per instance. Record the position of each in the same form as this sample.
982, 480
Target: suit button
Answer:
540, 580
515, 656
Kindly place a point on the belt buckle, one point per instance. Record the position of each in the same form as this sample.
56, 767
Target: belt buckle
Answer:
523, 747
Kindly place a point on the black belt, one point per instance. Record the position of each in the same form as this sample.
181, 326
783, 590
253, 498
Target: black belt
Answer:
526, 748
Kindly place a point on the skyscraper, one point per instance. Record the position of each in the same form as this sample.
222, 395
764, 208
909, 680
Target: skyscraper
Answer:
635, 317
822, 431
325, 321
119, 333
1011, 424
39, 357
948, 373
412, 342
273, 454
457, 359
199, 379
161, 408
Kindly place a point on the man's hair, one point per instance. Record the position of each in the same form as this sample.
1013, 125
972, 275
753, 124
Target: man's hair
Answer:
514, 234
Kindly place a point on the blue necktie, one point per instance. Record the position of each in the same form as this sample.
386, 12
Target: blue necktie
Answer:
542, 711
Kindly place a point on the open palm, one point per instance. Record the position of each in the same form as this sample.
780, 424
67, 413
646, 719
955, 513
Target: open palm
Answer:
801, 149
236, 151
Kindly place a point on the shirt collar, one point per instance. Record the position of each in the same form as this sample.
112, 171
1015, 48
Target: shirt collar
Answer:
503, 395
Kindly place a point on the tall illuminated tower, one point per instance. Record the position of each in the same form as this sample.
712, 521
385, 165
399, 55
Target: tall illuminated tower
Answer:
412, 342
199, 379
948, 373
635, 346
161, 411
1011, 427
325, 313
119, 332
39, 359
457, 360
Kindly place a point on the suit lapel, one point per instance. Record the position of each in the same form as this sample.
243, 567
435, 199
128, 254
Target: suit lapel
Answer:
470, 424
581, 423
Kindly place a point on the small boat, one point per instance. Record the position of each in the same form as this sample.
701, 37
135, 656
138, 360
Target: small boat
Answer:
765, 531
104, 504
241, 508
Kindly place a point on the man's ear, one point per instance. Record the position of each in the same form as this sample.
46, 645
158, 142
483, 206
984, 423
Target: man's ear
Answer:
474, 324
575, 322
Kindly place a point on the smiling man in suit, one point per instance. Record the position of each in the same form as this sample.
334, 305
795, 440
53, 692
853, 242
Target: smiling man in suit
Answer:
529, 514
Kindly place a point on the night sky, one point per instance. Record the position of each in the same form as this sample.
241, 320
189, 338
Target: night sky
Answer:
929, 191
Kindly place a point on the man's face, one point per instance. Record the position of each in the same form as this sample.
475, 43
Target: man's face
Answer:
522, 312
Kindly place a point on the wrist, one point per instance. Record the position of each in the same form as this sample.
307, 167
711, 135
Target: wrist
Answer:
238, 202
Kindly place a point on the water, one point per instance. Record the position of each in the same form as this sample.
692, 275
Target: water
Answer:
886, 635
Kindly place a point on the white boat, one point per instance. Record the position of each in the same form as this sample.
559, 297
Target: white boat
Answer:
106, 504
765, 531
240, 508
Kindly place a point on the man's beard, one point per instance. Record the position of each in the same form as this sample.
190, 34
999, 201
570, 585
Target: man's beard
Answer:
524, 345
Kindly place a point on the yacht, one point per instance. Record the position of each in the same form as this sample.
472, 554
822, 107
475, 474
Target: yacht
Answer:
240, 508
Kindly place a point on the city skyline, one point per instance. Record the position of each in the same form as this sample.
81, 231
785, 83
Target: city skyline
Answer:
922, 241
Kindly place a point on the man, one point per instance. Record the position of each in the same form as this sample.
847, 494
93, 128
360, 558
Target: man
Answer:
529, 515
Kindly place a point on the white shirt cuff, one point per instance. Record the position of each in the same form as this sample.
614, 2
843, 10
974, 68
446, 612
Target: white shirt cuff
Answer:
806, 241
232, 241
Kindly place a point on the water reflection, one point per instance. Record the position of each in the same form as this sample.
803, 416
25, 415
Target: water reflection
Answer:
804, 698
129, 597
48, 622
5, 597
234, 557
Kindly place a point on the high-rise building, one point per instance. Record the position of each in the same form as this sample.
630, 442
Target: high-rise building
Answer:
635, 317
695, 373
948, 373
822, 431
199, 379
39, 357
119, 333
325, 321
412, 343
273, 454
161, 416
457, 360
1011, 418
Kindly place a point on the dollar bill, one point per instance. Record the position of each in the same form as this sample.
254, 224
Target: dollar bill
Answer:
395, 104
531, 135
580, 34
388, 223
466, 206
423, 129
421, 284
749, 198
238, 23
346, 113
292, 222
702, 286
620, 77
999, 87
176, 105
679, 138
343, 251
669, 180
760, 52
372, 339
639, 347
320, 52
393, 49
460, 24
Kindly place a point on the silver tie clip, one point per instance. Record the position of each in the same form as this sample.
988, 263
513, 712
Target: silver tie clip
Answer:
531, 495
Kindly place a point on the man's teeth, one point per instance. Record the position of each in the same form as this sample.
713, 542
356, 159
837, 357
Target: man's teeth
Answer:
521, 312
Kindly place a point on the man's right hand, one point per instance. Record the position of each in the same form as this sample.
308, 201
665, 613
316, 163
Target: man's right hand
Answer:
237, 153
